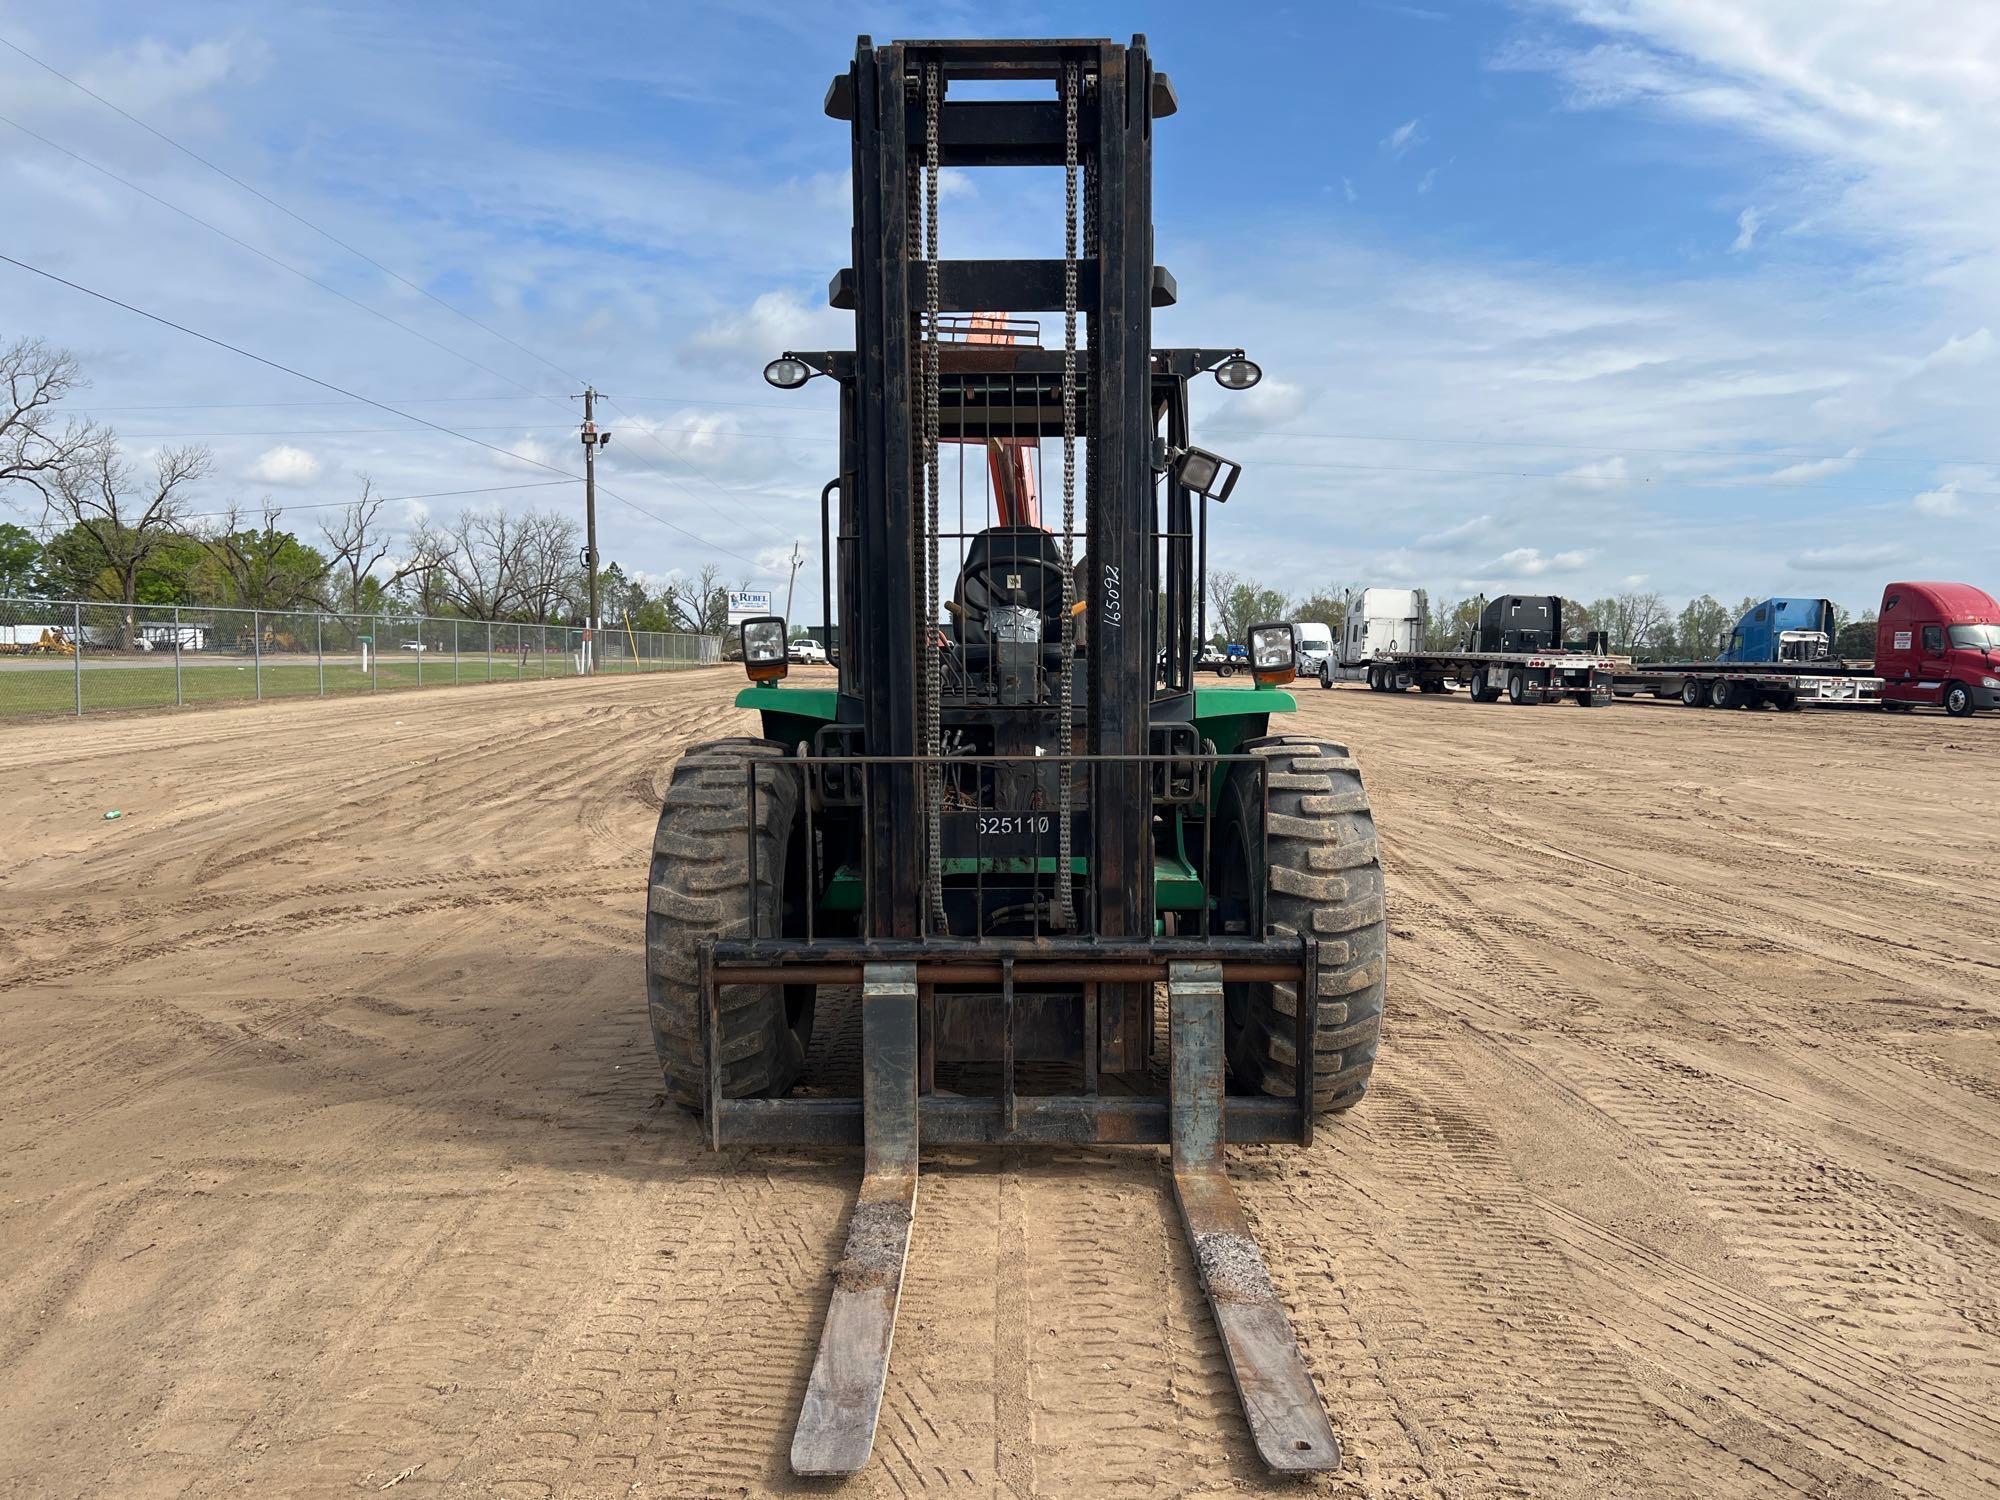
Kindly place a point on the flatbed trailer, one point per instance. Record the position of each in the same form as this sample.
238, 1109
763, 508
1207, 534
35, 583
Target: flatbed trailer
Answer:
1785, 685
1579, 677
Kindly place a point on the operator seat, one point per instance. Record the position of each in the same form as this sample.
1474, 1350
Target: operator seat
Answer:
1009, 568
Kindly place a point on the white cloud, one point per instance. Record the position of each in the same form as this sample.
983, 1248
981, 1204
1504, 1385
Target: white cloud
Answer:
1974, 348
285, 464
1633, 580
1847, 557
1810, 469
1427, 181
1347, 187
1528, 562
1404, 138
1477, 531
1889, 115
1942, 501
1600, 472
526, 453
774, 322
1747, 224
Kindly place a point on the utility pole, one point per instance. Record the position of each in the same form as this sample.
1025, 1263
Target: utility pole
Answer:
592, 441
789, 583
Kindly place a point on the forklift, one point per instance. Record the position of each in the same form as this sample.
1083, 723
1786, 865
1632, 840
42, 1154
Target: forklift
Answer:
1082, 899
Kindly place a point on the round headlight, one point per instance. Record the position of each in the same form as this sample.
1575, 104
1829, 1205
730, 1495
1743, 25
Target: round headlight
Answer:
788, 374
1237, 374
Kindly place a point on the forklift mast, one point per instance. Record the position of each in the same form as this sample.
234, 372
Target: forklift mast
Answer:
1109, 95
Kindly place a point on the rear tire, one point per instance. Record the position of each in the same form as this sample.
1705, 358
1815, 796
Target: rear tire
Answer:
1693, 693
1324, 880
1517, 688
1722, 693
700, 887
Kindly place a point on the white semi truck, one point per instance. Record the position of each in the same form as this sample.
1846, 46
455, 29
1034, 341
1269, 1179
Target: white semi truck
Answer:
1375, 622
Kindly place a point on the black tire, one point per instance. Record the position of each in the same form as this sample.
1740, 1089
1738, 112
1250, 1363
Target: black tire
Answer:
1958, 700
700, 887
1325, 878
1694, 692
1787, 703
1722, 693
1517, 688
1325, 675
1224, 669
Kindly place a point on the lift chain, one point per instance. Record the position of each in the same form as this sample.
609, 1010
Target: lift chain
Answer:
927, 600
1065, 892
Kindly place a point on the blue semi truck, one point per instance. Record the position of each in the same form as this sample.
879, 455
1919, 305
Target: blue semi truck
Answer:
1780, 654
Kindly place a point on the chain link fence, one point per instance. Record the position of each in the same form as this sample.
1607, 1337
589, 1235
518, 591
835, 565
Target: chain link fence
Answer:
65, 656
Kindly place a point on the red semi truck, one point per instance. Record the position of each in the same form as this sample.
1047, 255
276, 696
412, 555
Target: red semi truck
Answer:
1938, 644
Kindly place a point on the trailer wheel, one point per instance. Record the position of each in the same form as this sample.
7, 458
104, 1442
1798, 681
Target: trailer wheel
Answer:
1722, 693
1958, 700
1787, 703
1693, 692
1517, 688
1324, 878
700, 887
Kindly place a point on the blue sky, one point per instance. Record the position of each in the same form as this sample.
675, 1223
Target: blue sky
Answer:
1572, 295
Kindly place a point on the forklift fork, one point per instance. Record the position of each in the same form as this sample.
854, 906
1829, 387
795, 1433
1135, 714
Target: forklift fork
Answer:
843, 1402
1286, 1417
844, 1398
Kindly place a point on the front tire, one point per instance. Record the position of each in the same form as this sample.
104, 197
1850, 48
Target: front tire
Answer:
1324, 880
701, 887
1958, 700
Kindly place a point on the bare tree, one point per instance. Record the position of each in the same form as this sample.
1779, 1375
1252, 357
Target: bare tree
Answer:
549, 578
479, 562
267, 568
127, 520
32, 451
358, 543
1239, 602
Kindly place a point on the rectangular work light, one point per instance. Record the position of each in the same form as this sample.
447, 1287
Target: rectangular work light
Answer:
1206, 473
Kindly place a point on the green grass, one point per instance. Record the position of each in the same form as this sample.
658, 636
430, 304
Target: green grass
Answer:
42, 687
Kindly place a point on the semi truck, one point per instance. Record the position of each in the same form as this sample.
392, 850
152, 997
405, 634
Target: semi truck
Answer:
1938, 644
1778, 655
1935, 646
1516, 651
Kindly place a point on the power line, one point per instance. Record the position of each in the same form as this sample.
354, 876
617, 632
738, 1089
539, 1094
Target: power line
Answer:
1751, 454
364, 400
489, 489
267, 256
289, 213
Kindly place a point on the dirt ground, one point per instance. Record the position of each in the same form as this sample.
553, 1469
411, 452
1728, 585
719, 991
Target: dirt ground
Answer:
332, 1153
